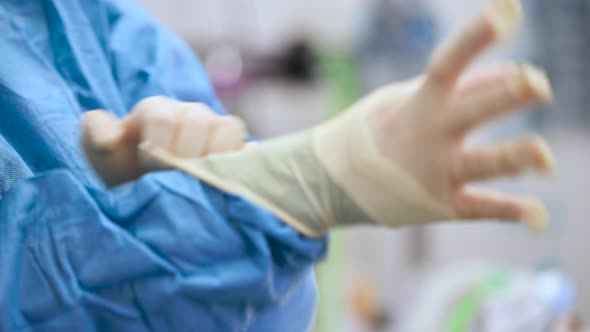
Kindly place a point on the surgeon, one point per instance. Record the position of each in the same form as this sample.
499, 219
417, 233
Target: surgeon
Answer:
97, 238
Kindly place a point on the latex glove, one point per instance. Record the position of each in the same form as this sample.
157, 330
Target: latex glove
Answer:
187, 130
398, 157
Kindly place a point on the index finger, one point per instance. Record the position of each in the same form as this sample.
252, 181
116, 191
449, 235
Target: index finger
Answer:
499, 19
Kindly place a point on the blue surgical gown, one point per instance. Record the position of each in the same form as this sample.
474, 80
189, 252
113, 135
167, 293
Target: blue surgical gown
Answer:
164, 253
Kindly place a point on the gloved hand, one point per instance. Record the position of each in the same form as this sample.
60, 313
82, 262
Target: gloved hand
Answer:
188, 130
398, 157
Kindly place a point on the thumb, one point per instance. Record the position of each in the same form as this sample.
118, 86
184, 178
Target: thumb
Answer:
104, 140
101, 132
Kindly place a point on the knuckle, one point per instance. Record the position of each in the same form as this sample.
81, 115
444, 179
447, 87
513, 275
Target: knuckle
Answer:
159, 118
150, 103
199, 108
195, 122
442, 65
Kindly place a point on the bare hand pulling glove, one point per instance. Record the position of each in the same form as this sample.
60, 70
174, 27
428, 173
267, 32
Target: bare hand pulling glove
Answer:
397, 157
187, 130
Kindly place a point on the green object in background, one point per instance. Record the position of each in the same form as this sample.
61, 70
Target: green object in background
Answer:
329, 275
468, 307
340, 72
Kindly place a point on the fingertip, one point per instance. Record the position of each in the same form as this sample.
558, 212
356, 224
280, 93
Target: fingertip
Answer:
101, 131
545, 161
535, 215
530, 85
89, 117
505, 17
536, 83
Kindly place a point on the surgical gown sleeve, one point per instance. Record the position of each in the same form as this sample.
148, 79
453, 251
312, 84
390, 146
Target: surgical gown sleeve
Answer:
165, 253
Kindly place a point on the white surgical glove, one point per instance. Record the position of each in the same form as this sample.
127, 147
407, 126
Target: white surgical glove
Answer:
397, 157
188, 130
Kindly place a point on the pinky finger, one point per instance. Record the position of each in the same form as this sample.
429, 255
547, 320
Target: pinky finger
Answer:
474, 205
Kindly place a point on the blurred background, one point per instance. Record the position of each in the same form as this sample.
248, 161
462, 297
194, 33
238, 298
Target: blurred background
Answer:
289, 64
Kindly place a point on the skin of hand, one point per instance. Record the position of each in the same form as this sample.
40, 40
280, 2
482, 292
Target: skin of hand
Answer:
191, 130
435, 112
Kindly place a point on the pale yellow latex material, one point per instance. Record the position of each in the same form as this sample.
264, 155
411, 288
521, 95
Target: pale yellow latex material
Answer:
346, 148
282, 175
